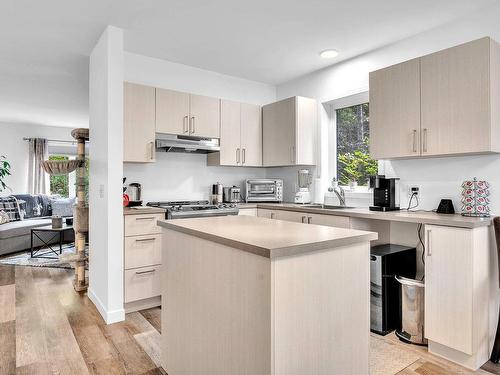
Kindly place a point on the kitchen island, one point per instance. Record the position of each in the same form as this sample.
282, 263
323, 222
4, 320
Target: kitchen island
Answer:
249, 295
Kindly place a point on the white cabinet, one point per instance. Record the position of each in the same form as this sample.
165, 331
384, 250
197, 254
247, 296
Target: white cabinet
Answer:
138, 123
289, 132
187, 114
457, 293
247, 212
445, 103
240, 137
305, 218
142, 261
395, 111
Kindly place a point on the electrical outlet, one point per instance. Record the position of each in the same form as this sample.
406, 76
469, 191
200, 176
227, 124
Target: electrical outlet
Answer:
414, 190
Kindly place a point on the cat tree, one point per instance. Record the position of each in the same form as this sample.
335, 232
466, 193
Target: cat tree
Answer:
80, 209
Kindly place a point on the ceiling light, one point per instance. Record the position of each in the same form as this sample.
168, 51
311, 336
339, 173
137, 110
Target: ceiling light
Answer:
329, 54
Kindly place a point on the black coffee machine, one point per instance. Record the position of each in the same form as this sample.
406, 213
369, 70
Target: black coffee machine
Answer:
385, 193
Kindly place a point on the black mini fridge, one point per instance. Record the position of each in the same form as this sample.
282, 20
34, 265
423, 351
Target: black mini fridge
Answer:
386, 261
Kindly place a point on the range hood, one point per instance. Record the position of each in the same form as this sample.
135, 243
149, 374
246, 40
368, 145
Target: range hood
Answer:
184, 143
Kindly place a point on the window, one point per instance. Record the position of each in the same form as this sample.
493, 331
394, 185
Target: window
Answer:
354, 164
59, 184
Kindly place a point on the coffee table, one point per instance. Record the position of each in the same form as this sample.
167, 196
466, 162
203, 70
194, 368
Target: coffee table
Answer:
56, 233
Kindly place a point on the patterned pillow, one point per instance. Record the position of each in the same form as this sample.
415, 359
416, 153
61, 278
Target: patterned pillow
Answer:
10, 206
4, 218
62, 207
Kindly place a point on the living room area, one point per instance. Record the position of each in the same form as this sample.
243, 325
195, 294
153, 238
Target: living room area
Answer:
36, 208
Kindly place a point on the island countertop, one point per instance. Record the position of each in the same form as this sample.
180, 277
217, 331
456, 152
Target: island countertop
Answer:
267, 237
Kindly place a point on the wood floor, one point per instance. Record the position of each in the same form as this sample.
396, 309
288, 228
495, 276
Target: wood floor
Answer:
47, 328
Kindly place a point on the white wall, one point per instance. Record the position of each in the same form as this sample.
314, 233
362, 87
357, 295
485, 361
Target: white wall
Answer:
105, 190
439, 178
16, 150
177, 176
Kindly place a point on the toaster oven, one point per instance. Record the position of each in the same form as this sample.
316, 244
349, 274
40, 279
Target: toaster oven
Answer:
264, 190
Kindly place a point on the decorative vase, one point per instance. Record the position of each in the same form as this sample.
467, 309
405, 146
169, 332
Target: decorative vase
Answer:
353, 185
475, 201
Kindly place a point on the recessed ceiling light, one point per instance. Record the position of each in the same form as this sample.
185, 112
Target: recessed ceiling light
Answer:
329, 54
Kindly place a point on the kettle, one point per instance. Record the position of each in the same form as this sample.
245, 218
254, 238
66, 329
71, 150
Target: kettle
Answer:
134, 192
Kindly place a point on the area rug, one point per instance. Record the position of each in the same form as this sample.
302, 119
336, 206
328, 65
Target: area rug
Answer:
24, 258
387, 358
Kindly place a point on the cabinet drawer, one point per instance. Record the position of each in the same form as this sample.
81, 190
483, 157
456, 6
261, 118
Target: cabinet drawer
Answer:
141, 251
141, 283
329, 220
136, 225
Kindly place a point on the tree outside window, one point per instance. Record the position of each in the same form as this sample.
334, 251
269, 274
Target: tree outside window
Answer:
59, 184
354, 163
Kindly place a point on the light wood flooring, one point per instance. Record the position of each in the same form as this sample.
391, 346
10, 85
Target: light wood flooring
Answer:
47, 328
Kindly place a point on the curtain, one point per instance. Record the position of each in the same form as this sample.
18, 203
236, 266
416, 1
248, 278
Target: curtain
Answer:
38, 180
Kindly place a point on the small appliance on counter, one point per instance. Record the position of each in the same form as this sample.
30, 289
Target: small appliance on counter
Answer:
232, 194
385, 193
264, 190
217, 193
134, 192
303, 195
386, 262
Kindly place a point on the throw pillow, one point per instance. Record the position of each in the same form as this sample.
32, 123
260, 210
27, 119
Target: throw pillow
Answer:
4, 218
62, 207
10, 206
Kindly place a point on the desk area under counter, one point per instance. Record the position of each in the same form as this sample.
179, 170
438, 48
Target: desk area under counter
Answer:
459, 262
142, 258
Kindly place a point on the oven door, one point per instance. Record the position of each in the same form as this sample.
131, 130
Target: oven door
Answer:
261, 191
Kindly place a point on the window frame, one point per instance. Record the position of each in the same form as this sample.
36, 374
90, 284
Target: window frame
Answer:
333, 105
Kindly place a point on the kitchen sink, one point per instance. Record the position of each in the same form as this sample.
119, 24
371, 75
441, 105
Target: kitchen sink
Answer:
326, 207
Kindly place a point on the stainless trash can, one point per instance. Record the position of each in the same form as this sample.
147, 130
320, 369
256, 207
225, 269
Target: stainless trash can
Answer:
412, 311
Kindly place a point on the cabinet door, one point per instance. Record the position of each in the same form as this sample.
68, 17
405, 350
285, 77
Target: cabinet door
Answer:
138, 123
251, 135
204, 116
297, 217
395, 111
172, 112
269, 214
230, 150
456, 100
278, 127
329, 220
449, 287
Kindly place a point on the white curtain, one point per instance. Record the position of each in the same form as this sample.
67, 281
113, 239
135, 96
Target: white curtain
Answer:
38, 180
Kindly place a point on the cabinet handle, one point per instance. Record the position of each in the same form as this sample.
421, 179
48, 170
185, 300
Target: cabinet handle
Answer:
309, 220
237, 156
272, 215
414, 140
144, 218
192, 129
303, 219
144, 272
429, 251
244, 156
425, 140
185, 124
145, 239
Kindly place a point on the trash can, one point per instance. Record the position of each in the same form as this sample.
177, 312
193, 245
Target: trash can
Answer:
412, 311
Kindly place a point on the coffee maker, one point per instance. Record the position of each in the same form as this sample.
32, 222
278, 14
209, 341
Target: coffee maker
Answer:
385, 193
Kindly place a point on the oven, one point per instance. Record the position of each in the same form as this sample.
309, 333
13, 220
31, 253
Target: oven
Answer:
264, 190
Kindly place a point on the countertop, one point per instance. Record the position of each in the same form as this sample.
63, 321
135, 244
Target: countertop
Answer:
267, 237
423, 217
141, 210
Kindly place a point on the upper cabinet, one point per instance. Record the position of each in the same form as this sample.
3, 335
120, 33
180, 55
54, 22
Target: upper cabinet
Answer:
138, 123
240, 136
446, 103
187, 114
289, 132
395, 111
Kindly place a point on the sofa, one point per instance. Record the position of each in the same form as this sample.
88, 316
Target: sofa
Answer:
30, 211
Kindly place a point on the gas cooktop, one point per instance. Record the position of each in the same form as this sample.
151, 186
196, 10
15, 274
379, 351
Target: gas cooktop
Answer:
189, 209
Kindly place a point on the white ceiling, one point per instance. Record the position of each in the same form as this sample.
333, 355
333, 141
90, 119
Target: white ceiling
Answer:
44, 45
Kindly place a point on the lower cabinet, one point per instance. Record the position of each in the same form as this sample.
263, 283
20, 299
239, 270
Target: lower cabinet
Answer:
247, 212
306, 218
457, 293
142, 261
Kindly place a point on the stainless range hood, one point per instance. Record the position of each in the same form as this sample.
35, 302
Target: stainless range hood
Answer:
184, 143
